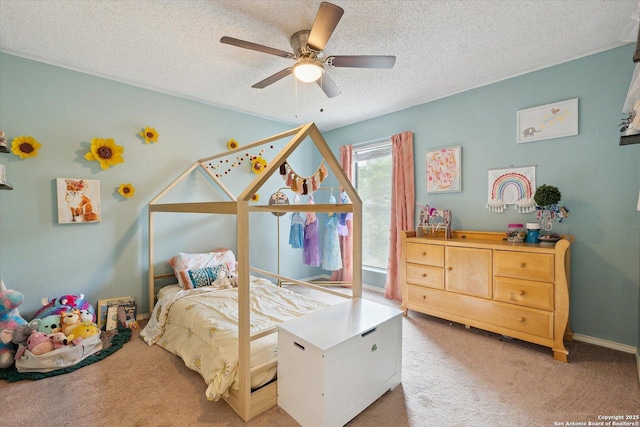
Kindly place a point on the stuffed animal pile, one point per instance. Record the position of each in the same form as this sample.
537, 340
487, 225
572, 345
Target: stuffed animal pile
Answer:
58, 323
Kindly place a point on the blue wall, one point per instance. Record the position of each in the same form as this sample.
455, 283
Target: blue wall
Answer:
64, 110
597, 178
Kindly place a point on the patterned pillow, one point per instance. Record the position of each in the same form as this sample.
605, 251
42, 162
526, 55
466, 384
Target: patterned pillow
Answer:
184, 262
205, 276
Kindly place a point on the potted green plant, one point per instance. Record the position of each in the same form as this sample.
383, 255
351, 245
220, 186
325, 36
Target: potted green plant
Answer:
546, 199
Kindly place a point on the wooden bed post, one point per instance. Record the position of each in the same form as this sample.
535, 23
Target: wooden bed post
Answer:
151, 278
244, 368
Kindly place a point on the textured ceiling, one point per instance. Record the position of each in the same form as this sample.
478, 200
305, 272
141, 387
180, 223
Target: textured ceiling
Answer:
442, 47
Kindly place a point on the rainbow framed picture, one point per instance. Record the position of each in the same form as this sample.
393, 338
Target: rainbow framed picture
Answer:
512, 186
444, 170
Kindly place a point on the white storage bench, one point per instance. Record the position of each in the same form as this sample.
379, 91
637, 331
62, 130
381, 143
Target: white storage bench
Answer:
338, 360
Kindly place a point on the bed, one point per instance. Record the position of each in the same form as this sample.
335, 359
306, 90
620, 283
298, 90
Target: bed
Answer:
200, 325
183, 317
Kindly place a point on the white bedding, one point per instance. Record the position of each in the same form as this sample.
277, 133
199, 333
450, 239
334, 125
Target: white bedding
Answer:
200, 326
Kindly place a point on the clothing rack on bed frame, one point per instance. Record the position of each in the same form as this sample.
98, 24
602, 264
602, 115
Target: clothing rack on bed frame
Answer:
247, 403
322, 282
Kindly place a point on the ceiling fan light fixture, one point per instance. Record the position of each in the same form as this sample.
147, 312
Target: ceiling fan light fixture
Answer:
307, 71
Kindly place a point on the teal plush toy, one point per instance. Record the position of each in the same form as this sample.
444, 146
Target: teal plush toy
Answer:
10, 319
48, 324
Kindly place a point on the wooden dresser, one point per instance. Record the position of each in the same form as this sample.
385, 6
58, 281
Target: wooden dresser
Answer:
477, 278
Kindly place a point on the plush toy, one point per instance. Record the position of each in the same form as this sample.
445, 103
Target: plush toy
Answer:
69, 321
65, 303
22, 332
38, 343
58, 339
226, 280
10, 319
49, 324
85, 330
86, 316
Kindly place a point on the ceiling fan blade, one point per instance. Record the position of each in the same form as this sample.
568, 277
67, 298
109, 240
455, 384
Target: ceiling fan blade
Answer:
362, 61
254, 46
273, 78
328, 86
325, 22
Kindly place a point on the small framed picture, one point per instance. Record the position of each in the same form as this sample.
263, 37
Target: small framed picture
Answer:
102, 312
78, 200
548, 121
444, 169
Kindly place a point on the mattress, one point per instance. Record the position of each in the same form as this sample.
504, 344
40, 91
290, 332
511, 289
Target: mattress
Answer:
200, 326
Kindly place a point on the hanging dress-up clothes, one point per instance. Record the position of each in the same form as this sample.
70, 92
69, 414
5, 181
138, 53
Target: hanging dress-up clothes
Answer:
331, 258
311, 250
345, 274
296, 234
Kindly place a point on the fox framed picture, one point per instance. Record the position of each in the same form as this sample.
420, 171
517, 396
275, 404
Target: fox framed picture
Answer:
78, 200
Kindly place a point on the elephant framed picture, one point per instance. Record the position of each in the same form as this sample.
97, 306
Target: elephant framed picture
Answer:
549, 121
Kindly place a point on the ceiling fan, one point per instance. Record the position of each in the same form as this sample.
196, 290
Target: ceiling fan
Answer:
308, 47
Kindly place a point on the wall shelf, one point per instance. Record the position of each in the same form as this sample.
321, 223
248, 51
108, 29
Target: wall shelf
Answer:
4, 149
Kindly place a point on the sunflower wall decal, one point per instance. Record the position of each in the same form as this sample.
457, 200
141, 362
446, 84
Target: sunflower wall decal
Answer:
149, 135
255, 198
126, 190
25, 147
232, 144
258, 164
105, 151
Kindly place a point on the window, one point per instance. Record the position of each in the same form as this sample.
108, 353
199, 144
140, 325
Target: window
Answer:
372, 170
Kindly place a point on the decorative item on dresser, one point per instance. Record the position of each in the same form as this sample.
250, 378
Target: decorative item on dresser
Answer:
479, 279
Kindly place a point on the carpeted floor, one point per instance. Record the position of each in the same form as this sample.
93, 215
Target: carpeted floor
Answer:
452, 376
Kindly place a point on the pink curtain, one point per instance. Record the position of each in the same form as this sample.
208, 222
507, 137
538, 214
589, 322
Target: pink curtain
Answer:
402, 206
345, 274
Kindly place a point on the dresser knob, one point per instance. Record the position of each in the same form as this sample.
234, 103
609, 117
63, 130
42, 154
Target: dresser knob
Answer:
424, 254
424, 275
520, 292
520, 319
449, 268
522, 265
424, 297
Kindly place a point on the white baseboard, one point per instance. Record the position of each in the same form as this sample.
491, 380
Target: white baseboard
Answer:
373, 288
608, 344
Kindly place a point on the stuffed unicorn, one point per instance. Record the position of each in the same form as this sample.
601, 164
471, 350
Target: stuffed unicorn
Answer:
10, 319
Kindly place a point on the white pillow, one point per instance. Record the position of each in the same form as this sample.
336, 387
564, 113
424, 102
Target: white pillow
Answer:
183, 263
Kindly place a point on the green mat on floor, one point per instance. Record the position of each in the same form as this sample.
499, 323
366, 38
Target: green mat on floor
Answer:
116, 343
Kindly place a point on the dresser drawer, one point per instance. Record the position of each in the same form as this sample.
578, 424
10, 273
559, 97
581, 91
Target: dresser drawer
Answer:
524, 292
523, 319
458, 307
425, 275
419, 253
524, 265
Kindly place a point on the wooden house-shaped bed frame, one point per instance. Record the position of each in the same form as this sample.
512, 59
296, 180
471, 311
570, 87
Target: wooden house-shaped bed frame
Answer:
246, 403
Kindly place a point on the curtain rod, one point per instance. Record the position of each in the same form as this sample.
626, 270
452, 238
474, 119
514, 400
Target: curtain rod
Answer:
374, 141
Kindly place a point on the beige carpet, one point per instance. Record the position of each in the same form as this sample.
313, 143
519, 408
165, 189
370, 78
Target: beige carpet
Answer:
452, 376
